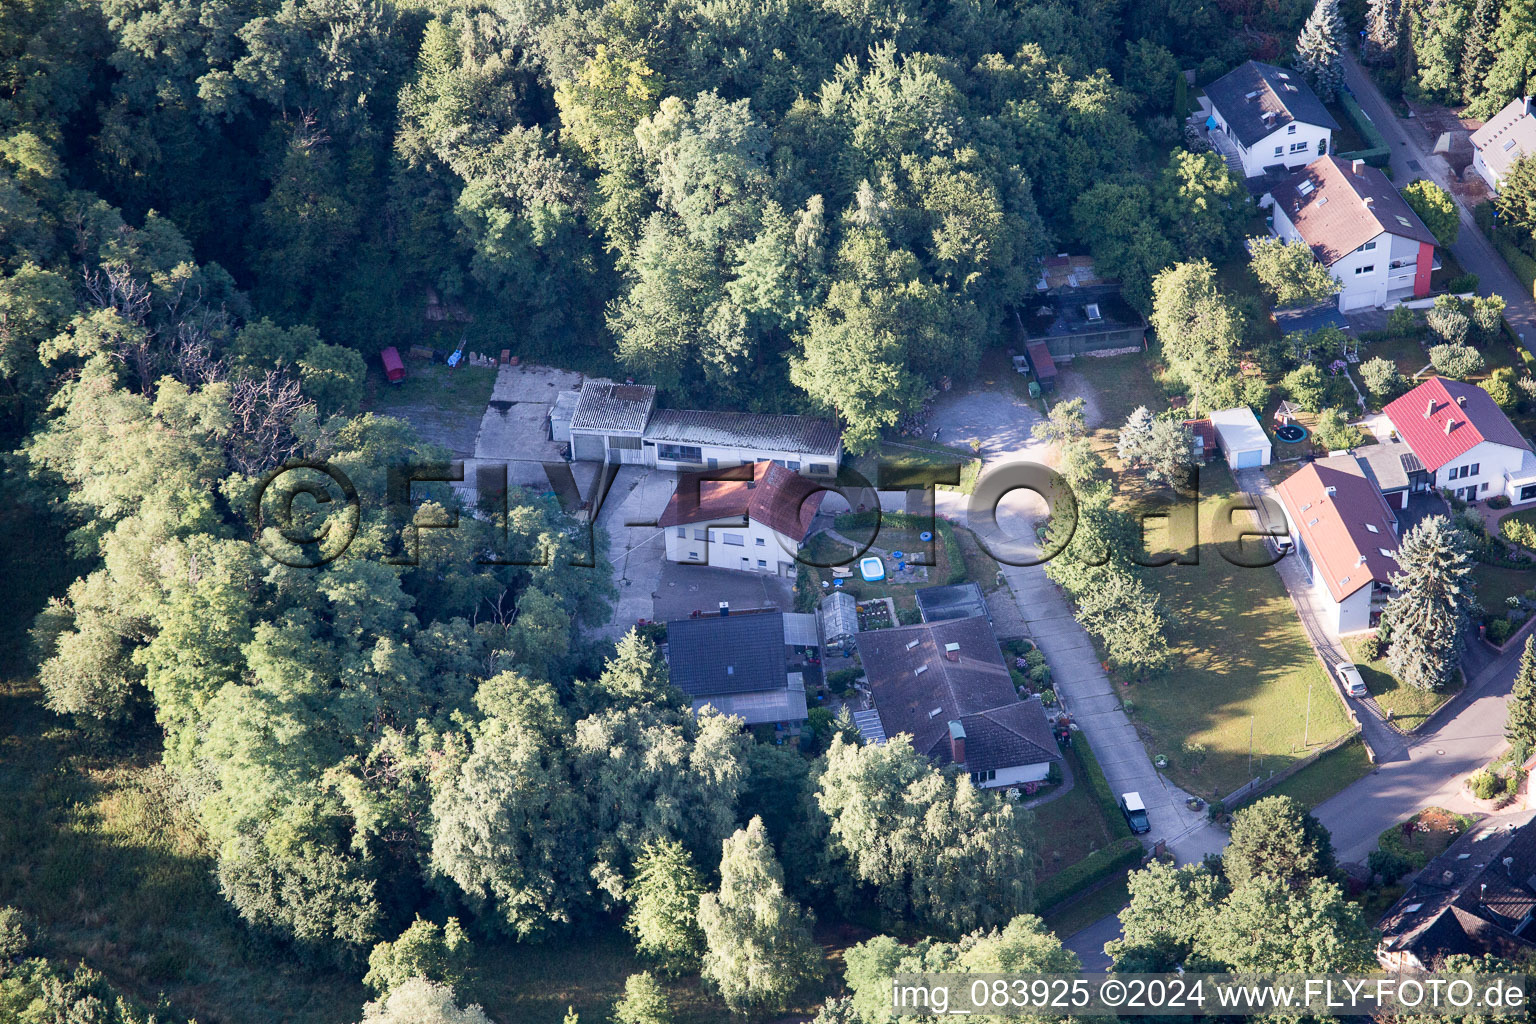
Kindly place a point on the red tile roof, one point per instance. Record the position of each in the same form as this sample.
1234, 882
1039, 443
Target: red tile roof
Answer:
765, 492
1326, 200
1346, 531
1460, 417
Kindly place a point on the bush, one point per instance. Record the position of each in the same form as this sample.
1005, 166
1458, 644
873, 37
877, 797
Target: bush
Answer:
1382, 379
843, 679
1402, 321
1216, 810
1501, 390
1485, 785
1123, 853
1335, 433
15, 934
1461, 285
1500, 630
1456, 360
1304, 386
1370, 647
1389, 865
1498, 501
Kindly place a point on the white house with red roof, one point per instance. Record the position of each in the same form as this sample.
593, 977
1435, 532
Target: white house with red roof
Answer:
1360, 228
1464, 440
1346, 538
751, 518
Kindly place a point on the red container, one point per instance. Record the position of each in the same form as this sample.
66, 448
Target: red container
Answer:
394, 369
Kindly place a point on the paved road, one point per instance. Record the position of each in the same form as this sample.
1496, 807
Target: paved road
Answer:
1411, 146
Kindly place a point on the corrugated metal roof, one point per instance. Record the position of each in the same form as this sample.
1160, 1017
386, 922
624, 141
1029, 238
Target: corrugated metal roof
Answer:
759, 708
870, 726
1441, 420
839, 616
800, 629
804, 434
607, 406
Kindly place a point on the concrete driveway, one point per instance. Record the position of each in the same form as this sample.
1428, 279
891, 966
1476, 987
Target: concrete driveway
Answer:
999, 420
683, 589
637, 550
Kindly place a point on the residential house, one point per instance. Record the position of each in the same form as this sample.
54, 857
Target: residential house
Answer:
1506, 137
1271, 116
1074, 320
1477, 897
1360, 228
1346, 538
754, 521
738, 664
680, 440
1240, 438
1464, 441
945, 686
607, 422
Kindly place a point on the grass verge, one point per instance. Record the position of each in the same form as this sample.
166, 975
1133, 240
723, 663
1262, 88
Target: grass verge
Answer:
1411, 707
1326, 776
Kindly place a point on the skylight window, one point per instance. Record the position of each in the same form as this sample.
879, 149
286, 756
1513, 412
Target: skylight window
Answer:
1389, 554
1403, 221
1306, 188
1283, 76
1410, 908
1372, 527
1322, 201
1509, 145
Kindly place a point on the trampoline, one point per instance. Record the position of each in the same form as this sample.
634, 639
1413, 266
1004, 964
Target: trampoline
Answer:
1291, 433
872, 569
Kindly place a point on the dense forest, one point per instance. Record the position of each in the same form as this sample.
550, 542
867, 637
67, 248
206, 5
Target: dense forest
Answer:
214, 213
1481, 53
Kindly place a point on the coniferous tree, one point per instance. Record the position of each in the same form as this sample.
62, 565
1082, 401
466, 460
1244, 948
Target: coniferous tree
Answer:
664, 907
1427, 619
1320, 49
1134, 435
1520, 725
758, 941
644, 1002
1383, 25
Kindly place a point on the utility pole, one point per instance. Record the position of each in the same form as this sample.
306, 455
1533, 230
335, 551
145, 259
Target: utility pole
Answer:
1250, 746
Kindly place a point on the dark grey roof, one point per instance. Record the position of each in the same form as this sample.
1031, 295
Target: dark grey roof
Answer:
605, 406
1066, 312
1005, 737
958, 601
1388, 465
1245, 94
1469, 900
919, 691
739, 653
805, 434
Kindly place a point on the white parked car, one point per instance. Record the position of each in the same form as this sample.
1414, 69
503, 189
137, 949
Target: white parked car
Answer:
1349, 675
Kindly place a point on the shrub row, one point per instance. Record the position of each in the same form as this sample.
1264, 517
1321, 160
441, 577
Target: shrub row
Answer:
1089, 770
1098, 865
1377, 153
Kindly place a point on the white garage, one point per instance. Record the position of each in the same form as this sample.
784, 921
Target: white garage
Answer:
1241, 439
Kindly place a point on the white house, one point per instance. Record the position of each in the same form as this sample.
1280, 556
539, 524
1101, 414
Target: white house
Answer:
1241, 439
1464, 441
1272, 116
754, 522
1360, 228
1346, 538
607, 422
944, 686
1506, 137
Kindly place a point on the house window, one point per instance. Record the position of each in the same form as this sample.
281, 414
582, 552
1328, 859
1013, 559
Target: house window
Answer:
1367, 247
693, 555
679, 453
760, 542
682, 531
795, 466
1279, 150
1300, 147
734, 540
1475, 467
700, 534
1528, 492
1484, 487
762, 564
979, 777
1290, 129
1368, 269
820, 470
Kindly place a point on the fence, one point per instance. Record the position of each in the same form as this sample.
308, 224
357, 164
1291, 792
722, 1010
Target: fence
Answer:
1255, 787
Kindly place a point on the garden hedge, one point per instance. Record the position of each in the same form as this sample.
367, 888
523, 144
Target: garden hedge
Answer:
1098, 865
1109, 805
1377, 153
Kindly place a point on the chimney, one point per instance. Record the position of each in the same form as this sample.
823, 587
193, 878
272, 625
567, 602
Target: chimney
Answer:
1357, 166
725, 608
1368, 201
1448, 425
957, 742
952, 652
1429, 408
1461, 400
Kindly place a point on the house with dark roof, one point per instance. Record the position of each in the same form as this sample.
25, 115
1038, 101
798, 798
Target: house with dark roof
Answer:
1359, 227
1272, 117
1477, 897
1063, 322
1346, 538
1503, 139
682, 439
752, 518
608, 422
738, 664
1395, 471
1464, 441
945, 687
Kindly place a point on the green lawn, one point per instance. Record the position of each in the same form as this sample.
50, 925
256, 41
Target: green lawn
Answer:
1410, 706
1408, 355
1497, 583
1120, 384
919, 452
1327, 775
1069, 828
1240, 659
826, 551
